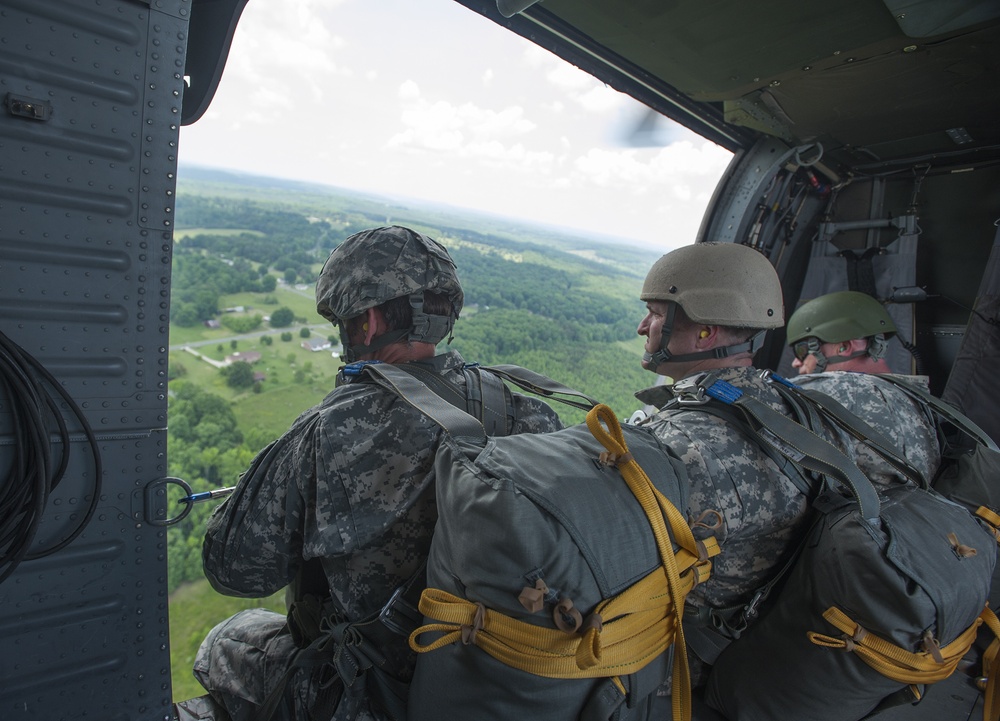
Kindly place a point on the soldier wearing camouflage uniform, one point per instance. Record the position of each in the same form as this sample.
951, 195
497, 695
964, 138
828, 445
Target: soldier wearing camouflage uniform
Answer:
848, 331
350, 484
709, 307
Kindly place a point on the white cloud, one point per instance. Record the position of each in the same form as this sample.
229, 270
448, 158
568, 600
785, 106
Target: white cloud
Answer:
339, 91
409, 90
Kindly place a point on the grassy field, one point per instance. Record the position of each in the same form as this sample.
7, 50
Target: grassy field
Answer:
194, 609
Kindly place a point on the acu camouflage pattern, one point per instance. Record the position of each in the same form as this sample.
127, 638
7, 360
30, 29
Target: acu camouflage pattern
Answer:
907, 423
350, 483
762, 511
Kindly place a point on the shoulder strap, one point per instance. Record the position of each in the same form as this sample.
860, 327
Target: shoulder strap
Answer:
792, 440
795, 473
484, 397
542, 385
490, 401
945, 410
836, 413
458, 423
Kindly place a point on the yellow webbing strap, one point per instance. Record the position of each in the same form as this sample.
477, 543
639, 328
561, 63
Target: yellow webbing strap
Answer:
991, 661
893, 661
640, 628
623, 633
992, 518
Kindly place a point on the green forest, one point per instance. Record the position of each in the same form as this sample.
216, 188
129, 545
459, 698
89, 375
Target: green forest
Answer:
246, 254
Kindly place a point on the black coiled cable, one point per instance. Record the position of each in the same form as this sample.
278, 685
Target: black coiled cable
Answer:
33, 474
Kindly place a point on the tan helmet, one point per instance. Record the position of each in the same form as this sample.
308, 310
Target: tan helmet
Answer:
718, 284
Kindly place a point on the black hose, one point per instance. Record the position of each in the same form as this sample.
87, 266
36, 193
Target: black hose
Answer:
32, 475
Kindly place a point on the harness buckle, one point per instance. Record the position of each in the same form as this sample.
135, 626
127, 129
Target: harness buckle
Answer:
399, 615
750, 611
691, 391
353, 370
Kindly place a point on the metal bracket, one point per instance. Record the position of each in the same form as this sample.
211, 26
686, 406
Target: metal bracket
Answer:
155, 505
30, 108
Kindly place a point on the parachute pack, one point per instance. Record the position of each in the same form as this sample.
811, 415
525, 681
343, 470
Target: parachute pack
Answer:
352, 656
557, 574
886, 594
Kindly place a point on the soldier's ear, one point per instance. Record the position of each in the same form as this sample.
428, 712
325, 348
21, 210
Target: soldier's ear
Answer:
374, 326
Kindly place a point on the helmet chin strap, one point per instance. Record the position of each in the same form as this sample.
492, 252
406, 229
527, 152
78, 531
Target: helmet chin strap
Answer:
822, 360
351, 352
654, 360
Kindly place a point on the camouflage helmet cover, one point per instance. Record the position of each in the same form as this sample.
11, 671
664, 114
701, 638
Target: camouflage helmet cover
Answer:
723, 284
841, 316
377, 265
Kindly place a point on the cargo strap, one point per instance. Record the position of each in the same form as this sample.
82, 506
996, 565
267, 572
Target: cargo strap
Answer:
895, 662
623, 633
992, 518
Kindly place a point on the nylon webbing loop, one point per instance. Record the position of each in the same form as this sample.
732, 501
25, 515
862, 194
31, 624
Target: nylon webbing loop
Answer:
893, 661
634, 627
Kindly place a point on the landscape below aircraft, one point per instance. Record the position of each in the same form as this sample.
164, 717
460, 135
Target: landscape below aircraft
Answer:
867, 157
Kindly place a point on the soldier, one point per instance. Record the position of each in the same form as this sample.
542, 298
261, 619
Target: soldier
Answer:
848, 329
709, 308
350, 487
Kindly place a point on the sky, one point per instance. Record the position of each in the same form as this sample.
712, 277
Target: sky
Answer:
429, 100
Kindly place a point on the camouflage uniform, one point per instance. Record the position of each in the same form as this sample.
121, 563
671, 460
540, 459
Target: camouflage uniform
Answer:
762, 512
352, 484
908, 424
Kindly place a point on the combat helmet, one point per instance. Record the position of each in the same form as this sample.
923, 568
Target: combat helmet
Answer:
725, 284
836, 317
381, 264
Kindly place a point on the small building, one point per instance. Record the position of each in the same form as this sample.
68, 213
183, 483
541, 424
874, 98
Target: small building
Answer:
212, 323
251, 356
316, 344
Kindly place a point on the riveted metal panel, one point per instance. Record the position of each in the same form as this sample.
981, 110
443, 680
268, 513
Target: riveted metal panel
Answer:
91, 92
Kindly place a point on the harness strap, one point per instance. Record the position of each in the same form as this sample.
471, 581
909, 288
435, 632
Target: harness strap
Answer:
497, 408
849, 422
539, 384
945, 410
454, 420
353, 649
795, 442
